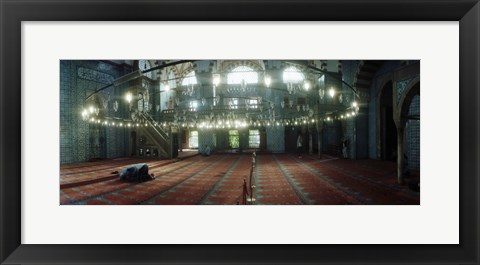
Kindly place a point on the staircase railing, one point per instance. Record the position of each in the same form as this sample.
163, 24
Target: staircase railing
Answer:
158, 134
250, 191
160, 131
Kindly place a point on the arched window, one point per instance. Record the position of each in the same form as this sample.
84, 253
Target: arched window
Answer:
189, 79
292, 74
145, 65
171, 80
241, 73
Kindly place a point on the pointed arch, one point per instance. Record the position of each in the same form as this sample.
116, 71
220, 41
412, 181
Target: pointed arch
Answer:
411, 91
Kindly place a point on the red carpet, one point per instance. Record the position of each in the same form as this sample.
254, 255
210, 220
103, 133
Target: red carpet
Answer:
280, 179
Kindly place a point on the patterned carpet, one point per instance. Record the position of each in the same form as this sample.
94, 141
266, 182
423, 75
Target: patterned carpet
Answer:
280, 179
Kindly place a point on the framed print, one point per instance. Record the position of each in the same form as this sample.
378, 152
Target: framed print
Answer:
271, 105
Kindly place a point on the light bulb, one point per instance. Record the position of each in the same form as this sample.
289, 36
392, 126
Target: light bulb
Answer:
306, 85
268, 80
129, 97
216, 79
331, 92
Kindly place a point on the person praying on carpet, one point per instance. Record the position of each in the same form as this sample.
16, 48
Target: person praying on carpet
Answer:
137, 172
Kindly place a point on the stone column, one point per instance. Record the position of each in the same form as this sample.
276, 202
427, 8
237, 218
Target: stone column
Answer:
310, 144
400, 151
179, 140
319, 137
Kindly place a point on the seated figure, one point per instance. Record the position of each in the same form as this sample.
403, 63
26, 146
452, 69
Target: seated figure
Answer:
137, 172
207, 151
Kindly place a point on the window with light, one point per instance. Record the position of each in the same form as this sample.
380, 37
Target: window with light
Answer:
242, 73
193, 104
233, 139
233, 103
292, 74
253, 103
172, 82
144, 65
189, 79
193, 141
254, 139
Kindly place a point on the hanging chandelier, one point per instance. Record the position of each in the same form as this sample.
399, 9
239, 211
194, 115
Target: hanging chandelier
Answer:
228, 106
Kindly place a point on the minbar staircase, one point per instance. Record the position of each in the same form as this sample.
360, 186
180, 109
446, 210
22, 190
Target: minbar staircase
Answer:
158, 135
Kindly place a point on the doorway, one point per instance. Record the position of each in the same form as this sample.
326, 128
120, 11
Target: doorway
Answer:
388, 130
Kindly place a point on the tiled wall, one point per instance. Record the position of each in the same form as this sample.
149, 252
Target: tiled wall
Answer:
275, 139
413, 135
205, 138
80, 141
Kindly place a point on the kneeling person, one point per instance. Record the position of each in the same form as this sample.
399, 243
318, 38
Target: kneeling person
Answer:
138, 172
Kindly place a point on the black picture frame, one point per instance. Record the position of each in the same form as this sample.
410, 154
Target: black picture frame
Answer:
13, 12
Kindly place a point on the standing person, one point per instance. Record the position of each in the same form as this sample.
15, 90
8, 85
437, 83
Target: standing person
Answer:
344, 147
299, 145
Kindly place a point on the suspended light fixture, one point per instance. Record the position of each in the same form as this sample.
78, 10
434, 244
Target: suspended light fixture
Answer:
306, 85
216, 79
255, 112
289, 88
85, 114
129, 97
321, 93
331, 92
268, 80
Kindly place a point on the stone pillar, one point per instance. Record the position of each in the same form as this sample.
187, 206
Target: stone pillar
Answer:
180, 138
170, 140
400, 151
310, 144
319, 137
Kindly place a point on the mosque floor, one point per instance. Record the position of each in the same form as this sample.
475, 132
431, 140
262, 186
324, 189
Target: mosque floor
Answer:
279, 179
